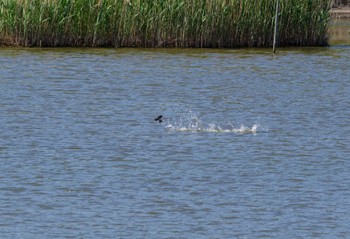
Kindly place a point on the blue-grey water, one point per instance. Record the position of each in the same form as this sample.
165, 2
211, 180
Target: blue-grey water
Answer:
251, 145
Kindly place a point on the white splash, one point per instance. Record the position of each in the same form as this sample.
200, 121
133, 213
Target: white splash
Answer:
191, 123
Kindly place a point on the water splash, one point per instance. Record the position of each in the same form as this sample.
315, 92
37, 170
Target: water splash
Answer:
190, 122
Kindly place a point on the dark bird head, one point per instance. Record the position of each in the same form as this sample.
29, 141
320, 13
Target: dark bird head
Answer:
159, 119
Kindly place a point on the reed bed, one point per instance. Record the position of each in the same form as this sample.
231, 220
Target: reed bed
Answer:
162, 23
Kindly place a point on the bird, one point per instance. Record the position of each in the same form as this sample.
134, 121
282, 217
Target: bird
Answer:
159, 119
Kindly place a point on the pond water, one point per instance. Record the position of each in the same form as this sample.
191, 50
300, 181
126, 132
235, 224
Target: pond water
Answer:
251, 145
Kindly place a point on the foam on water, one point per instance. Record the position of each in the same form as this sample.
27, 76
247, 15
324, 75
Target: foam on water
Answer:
190, 122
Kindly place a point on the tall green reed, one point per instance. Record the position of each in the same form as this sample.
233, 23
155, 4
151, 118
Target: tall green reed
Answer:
162, 23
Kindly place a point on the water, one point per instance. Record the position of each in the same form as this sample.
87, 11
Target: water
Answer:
251, 146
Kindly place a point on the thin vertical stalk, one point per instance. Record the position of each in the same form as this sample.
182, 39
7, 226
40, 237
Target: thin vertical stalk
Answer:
276, 28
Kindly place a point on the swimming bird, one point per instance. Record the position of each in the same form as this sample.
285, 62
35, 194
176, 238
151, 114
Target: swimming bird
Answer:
159, 119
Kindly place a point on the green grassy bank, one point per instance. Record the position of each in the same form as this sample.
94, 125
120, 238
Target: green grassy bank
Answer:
162, 23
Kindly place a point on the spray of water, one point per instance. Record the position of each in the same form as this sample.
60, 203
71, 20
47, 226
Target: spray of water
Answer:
190, 122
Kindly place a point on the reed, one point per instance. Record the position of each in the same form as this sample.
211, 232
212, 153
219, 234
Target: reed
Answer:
162, 23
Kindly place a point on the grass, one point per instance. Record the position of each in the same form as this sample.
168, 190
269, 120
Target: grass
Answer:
162, 23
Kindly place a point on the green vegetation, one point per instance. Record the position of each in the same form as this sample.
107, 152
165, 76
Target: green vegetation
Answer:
162, 23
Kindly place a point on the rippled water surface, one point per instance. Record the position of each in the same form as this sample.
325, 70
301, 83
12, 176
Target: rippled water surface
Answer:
251, 145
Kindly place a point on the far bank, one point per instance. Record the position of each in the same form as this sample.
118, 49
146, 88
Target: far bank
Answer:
340, 13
